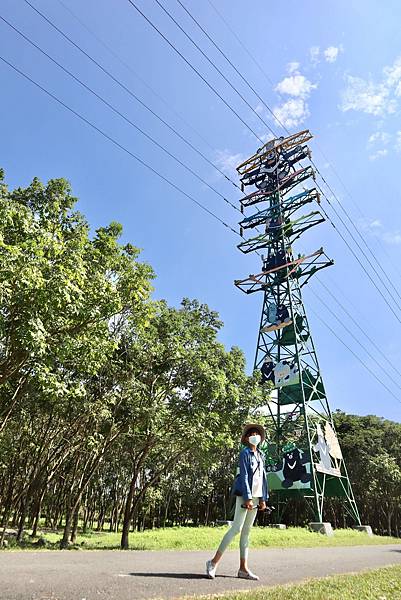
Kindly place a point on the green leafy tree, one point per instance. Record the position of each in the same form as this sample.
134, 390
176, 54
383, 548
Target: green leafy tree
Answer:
65, 300
59, 292
191, 397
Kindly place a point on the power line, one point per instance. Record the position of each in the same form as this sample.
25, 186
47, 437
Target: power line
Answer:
173, 185
347, 229
236, 70
354, 337
205, 158
360, 249
116, 143
136, 75
193, 69
356, 257
357, 325
241, 44
131, 93
378, 241
213, 64
116, 111
355, 355
359, 234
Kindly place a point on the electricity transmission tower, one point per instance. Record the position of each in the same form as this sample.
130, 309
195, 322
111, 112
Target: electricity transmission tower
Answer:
304, 458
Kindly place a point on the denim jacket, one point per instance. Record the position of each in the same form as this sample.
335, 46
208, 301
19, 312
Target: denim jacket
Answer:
243, 481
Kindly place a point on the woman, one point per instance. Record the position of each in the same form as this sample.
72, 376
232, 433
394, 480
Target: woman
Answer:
250, 487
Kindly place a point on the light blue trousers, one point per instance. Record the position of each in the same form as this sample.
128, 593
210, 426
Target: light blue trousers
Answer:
243, 521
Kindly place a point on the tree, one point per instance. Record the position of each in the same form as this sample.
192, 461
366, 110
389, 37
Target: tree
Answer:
65, 300
59, 292
191, 397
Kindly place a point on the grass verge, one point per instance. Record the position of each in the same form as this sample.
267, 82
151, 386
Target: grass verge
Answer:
379, 584
208, 538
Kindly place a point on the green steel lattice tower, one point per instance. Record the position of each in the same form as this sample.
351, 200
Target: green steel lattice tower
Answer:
304, 458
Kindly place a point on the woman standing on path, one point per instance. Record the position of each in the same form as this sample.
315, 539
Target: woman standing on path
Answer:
250, 487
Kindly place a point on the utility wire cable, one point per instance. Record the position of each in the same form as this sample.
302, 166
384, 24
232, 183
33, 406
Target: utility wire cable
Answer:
209, 85
242, 44
354, 354
349, 194
116, 143
357, 258
396, 383
358, 233
129, 68
131, 93
360, 249
358, 326
213, 64
120, 114
150, 138
237, 71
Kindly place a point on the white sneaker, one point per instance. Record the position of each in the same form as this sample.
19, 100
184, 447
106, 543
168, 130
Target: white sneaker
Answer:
210, 569
247, 575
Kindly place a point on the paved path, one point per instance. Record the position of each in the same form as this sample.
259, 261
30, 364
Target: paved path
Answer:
116, 575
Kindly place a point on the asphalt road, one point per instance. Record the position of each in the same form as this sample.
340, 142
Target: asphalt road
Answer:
117, 575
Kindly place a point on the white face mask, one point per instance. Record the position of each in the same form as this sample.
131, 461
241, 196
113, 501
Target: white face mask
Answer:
254, 439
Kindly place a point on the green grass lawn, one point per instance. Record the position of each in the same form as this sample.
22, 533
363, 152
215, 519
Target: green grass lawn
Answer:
208, 538
380, 584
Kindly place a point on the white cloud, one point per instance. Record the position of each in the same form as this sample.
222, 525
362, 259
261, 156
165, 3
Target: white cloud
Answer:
366, 96
331, 54
293, 67
227, 161
379, 154
367, 224
293, 112
392, 237
295, 85
376, 228
314, 54
377, 98
393, 75
379, 137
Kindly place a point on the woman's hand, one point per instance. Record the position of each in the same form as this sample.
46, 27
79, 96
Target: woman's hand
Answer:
262, 505
248, 504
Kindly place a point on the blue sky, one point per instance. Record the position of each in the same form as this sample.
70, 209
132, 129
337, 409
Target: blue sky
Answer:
332, 67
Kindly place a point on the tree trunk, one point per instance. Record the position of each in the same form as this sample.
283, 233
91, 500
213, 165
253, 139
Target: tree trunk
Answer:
20, 533
37, 514
124, 545
389, 517
75, 525
67, 528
